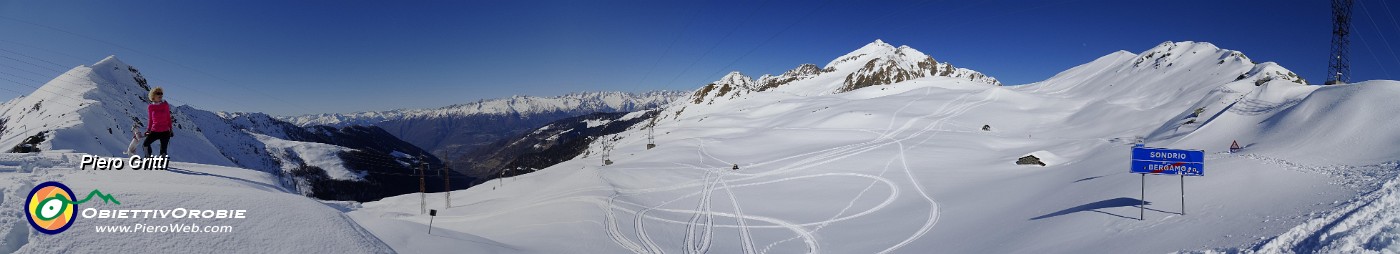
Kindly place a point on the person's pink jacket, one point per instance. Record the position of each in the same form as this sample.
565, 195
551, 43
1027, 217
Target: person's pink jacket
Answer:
159, 117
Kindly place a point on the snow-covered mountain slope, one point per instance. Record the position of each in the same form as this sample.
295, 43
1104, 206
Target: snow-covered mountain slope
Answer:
91, 109
1335, 131
907, 168
875, 64
555, 142
1168, 77
880, 63
277, 221
1292, 120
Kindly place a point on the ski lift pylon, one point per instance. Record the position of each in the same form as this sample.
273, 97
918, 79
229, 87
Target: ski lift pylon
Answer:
651, 133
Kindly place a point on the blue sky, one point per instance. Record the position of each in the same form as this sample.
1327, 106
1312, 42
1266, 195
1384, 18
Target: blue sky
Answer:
288, 57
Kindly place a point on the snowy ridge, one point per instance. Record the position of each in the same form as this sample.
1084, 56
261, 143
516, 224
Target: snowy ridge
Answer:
880, 63
1170, 77
1200, 66
737, 80
92, 110
906, 167
521, 105
874, 64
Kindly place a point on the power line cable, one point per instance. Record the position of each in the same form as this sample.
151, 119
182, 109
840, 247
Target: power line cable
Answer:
180, 85
717, 43
66, 73
669, 46
147, 54
770, 38
1380, 34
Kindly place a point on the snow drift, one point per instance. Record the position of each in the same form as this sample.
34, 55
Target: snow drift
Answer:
905, 166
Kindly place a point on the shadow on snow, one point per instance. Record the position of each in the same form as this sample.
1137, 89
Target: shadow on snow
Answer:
1097, 206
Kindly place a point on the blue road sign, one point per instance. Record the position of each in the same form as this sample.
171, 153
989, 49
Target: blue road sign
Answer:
1159, 161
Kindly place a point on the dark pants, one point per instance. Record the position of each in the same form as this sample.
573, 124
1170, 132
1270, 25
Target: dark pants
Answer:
164, 138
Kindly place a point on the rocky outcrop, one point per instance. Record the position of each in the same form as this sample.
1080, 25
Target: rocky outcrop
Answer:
884, 64
1030, 160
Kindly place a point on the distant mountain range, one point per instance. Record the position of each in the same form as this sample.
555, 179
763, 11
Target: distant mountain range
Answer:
456, 132
91, 109
358, 156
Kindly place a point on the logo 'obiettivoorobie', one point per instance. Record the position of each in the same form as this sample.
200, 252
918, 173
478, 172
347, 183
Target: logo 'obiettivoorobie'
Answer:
51, 206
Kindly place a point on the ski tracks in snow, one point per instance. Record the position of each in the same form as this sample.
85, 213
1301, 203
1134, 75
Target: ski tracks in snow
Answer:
699, 242
745, 237
700, 226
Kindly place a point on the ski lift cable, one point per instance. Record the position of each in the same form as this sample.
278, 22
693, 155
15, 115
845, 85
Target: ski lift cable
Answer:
804, 17
20, 93
689, 21
1373, 54
27, 70
180, 85
982, 18
380, 162
36, 88
2, 17
717, 43
69, 92
412, 167
61, 73
190, 87
770, 38
41, 88
652, 125
1376, 27
913, 6
1386, 7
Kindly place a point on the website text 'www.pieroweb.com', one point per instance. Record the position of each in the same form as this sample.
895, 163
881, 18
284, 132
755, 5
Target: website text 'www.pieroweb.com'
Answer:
188, 223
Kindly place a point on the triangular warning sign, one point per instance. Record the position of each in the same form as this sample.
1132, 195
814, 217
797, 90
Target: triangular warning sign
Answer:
1234, 146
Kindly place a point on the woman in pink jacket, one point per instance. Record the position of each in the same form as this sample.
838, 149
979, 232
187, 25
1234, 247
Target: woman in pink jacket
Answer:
158, 122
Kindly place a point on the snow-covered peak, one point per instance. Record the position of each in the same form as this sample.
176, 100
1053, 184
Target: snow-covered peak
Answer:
904, 55
875, 49
93, 109
1182, 46
880, 63
1170, 53
737, 79
110, 61
803, 70
877, 45
876, 63
1157, 76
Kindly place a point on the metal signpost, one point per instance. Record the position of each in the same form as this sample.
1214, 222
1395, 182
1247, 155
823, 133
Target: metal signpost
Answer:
1162, 161
431, 214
